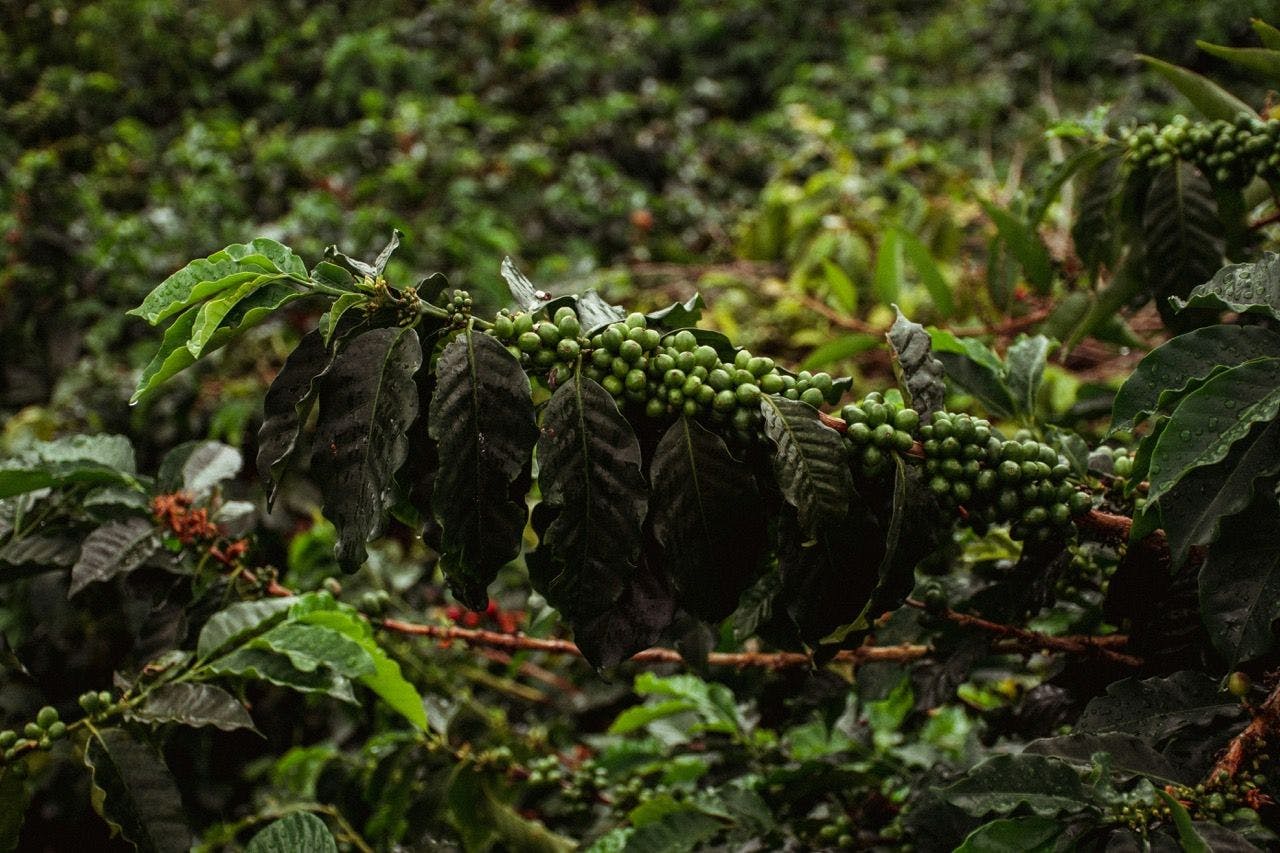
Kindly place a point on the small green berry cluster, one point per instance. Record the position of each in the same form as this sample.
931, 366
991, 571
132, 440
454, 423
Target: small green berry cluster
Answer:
838, 832
1022, 482
546, 770
1229, 153
40, 734
874, 428
374, 602
459, 308
661, 375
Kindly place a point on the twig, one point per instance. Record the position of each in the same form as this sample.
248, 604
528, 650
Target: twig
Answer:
1269, 219
767, 660
844, 321
1262, 730
1103, 647
532, 670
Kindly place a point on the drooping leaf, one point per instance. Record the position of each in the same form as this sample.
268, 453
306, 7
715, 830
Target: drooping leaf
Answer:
368, 400
1240, 583
233, 626
1209, 420
191, 285
195, 467
286, 406
264, 665
926, 267
1158, 708
710, 521
192, 705
526, 296
1030, 834
36, 552
1213, 101
266, 253
331, 322
135, 794
595, 498
919, 374
974, 367
1024, 244
888, 274
1093, 229
293, 833
1182, 233
482, 419
1170, 368
116, 548
1193, 509
212, 312
1024, 370
1003, 783
1250, 288
809, 462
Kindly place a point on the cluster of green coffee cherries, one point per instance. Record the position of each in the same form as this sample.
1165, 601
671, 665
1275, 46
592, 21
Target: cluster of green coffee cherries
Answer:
876, 427
1022, 482
38, 734
1228, 152
659, 374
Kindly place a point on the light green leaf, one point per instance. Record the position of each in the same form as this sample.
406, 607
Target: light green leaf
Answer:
1213, 101
238, 623
264, 665
1262, 60
840, 285
309, 647
1031, 834
1024, 370
1025, 244
975, 368
888, 275
926, 267
839, 349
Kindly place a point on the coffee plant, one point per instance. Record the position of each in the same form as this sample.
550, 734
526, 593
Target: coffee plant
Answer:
676, 479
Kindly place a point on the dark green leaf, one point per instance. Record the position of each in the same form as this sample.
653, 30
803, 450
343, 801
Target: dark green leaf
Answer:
1031, 834
1131, 756
1252, 288
1211, 419
368, 399
1192, 510
594, 500
975, 368
1181, 231
135, 794
594, 313
809, 462
1170, 368
380, 263
1096, 218
332, 275
1025, 245
710, 520
678, 315
116, 548
483, 421
1006, 782
1208, 97
919, 373
193, 705
1024, 370
286, 406
1158, 708
1240, 583
293, 833
39, 551
675, 831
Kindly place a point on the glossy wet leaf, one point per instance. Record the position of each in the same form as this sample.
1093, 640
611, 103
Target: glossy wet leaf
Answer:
1240, 583
114, 549
809, 462
919, 373
1249, 288
1004, 783
192, 705
293, 833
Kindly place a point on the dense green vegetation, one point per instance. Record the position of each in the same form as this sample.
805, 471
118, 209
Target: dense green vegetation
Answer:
610, 553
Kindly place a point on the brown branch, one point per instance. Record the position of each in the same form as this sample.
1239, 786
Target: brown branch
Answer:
1269, 219
835, 317
1262, 731
767, 660
1103, 647
532, 670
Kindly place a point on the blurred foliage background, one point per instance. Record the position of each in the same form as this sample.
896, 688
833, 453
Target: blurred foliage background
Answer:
762, 148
